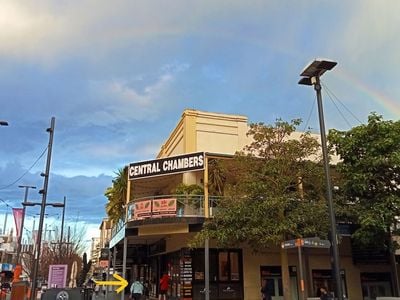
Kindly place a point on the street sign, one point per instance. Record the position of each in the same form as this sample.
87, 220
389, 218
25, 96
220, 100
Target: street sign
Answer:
316, 243
289, 244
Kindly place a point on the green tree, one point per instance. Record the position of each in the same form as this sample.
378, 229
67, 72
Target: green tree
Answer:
217, 177
116, 195
370, 174
274, 192
86, 265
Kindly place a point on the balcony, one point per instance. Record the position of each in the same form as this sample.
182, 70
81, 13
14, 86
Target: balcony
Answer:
164, 206
164, 209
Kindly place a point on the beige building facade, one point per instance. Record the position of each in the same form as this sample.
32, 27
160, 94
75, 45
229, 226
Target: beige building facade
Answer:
160, 222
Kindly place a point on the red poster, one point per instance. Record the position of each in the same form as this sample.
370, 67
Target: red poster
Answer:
18, 213
142, 209
164, 207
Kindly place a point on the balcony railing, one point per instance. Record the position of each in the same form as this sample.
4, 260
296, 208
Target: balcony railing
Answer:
170, 206
180, 206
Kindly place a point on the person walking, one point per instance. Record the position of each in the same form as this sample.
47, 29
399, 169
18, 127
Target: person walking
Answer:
265, 293
136, 290
164, 283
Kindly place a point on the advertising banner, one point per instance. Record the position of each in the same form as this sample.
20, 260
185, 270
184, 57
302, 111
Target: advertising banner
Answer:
18, 213
142, 209
164, 207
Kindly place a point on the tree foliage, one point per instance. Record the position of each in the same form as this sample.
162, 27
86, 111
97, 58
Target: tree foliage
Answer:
273, 190
370, 173
86, 265
53, 252
116, 195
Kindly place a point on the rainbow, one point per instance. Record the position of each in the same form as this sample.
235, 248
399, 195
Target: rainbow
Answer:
391, 105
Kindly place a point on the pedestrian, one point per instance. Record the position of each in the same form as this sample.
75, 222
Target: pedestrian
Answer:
96, 290
136, 290
265, 292
146, 289
164, 283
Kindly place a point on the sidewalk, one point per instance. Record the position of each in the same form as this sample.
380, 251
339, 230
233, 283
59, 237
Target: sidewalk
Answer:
110, 296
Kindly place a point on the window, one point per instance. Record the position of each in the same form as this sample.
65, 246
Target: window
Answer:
234, 259
223, 264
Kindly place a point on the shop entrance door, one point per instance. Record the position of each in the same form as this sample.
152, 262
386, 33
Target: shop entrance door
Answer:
273, 277
375, 285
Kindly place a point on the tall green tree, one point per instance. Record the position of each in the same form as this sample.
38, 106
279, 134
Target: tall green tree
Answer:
370, 173
116, 195
274, 192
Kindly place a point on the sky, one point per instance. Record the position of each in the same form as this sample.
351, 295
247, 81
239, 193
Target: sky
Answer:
117, 75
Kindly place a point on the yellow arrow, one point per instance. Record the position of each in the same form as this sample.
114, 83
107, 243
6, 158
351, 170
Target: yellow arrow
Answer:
121, 281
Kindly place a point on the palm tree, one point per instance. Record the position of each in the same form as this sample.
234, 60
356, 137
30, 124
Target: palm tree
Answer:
116, 195
216, 178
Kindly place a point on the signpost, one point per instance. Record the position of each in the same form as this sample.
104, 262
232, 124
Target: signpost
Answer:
314, 242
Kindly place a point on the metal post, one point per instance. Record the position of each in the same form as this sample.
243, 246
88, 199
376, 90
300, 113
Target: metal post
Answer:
124, 253
302, 295
3, 253
335, 251
206, 242
393, 265
206, 269
45, 233
108, 270
42, 208
68, 243
5, 224
62, 227
27, 187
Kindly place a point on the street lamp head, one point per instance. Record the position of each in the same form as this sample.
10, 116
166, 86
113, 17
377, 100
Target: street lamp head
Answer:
27, 186
30, 203
305, 81
3, 123
318, 67
55, 204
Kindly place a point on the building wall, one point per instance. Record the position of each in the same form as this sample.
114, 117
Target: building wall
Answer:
204, 131
226, 134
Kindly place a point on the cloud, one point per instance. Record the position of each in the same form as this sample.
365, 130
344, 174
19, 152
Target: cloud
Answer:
85, 194
119, 101
372, 31
46, 30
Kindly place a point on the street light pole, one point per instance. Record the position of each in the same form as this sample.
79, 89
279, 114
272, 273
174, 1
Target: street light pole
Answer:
42, 208
311, 76
26, 187
62, 227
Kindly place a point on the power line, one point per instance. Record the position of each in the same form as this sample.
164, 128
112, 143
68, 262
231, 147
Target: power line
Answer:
309, 116
5, 202
26, 172
341, 103
339, 111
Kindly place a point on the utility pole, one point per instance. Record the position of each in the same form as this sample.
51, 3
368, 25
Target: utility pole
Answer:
5, 223
3, 253
42, 207
62, 227
26, 187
